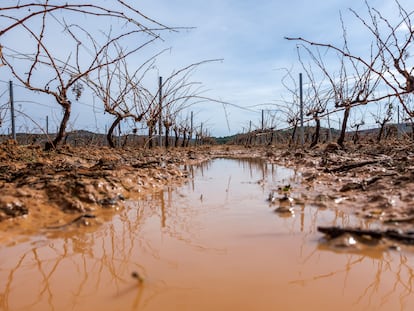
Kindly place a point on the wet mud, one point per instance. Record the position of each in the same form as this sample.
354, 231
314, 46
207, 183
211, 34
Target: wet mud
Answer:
207, 229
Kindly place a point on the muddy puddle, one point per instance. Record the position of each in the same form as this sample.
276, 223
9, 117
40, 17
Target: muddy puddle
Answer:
215, 243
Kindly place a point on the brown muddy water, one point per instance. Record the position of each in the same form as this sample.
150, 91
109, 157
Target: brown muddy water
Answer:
212, 244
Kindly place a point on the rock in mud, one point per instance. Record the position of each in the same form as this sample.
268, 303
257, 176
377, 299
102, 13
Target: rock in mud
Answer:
331, 147
11, 207
111, 201
285, 206
351, 186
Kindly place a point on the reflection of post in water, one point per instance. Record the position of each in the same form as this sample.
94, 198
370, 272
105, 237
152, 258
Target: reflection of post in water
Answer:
192, 169
192, 174
181, 225
251, 170
228, 188
163, 215
162, 204
302, 217
255, 167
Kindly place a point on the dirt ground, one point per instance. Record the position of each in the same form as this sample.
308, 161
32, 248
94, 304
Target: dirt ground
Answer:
68, 185
372, 181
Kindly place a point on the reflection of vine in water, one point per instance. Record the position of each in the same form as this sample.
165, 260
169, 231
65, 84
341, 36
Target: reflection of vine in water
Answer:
48, 275
90, 260
179, 221
104, 258
401, 272
4, 301
403, 275
32, 260
269, 172
406, 286
310, 217
155, 206
328, 217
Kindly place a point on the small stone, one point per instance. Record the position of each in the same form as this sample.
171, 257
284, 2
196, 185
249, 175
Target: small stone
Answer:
12, 207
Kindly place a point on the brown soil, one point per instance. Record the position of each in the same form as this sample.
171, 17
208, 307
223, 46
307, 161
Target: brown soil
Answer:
42, 190
375, 182
49, 190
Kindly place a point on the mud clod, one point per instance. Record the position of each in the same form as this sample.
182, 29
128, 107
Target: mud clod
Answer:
11, 207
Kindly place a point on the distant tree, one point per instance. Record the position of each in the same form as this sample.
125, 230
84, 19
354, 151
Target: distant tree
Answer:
176, 127
290, 107
393, 41
386, 71
355, 126
121, 89
178, 92
317, 98
382, 118
354, 84
186, 130
64, 43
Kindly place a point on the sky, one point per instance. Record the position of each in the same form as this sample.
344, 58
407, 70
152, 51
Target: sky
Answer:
248, 37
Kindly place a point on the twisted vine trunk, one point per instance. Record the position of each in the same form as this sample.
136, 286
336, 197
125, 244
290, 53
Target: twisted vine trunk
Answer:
177, 136
151, 135
184, 138
109, 135
315, 138
292, 138
66, 105
167, 135
341, 138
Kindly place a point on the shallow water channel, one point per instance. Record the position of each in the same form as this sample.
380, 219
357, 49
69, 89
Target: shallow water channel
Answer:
213, 244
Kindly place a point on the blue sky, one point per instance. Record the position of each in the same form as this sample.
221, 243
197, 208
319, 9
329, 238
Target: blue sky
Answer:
248, 35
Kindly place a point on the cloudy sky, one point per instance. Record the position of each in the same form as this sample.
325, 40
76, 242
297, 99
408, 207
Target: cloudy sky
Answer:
249, 36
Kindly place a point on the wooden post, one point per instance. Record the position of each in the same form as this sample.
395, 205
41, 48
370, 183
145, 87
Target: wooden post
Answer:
191, 128
201, 134
13, 125
398, 122
160, 115
302, 130
329, 127
262, 119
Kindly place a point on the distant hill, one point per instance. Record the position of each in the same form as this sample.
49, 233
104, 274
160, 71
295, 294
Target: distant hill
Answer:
285, 134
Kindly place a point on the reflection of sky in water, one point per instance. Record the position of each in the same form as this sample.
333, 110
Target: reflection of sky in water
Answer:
212, 244
240, 186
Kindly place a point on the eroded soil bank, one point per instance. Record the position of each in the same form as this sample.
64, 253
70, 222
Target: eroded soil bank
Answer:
41, 189
375, 182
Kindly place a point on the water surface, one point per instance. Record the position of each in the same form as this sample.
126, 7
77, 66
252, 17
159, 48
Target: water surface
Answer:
212, 244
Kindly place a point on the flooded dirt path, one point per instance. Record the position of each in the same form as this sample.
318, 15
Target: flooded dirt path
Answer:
213, 244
